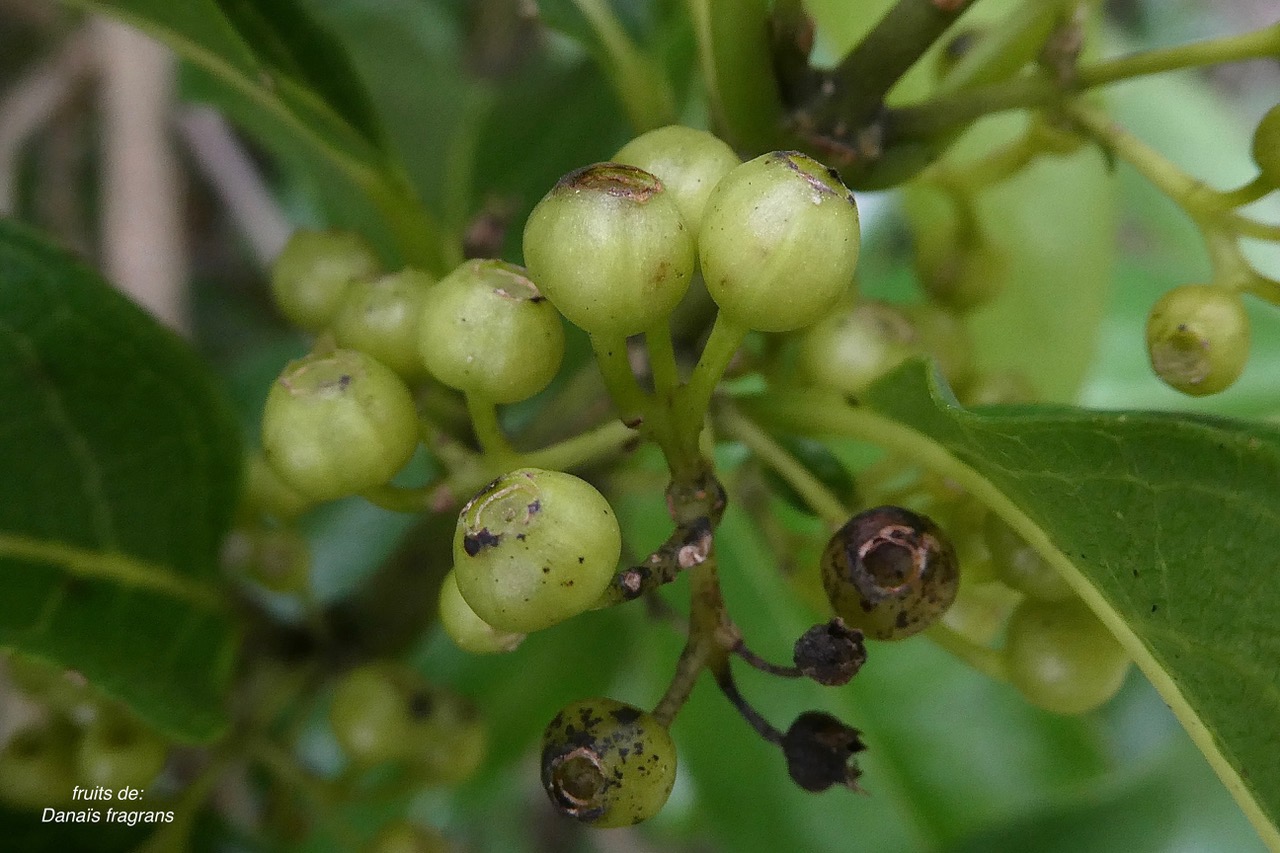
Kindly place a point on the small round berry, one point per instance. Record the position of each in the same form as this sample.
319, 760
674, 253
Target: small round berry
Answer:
486, 329
312, 274
338, 423
961, 274
1020, 567
448, 740
37, 767
534, 548
821, 751
609, 248
1198, 338
1061, 658
849, 350
266, 494
688, 162
890, 572
1266, 146
405, 837
831, 653
61, 689
370, 715
779, 242
467, 630
278, 559
380, 317
116, 751
607, 763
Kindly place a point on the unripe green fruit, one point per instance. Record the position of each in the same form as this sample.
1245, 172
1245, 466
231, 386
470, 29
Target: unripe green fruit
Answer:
405, 837
312, 274
487, 330
688, 162
961, 275
779, 242
449, 739
609, 248
1198, 338
381, 316
1061, 658
117, 752
944, 336
338, 423
271, 496
851, 349
278, 559
370, 715
1020, 567
1266, 146
49, 684
534, 548
607, 764
37, 768
467, 630
890, 573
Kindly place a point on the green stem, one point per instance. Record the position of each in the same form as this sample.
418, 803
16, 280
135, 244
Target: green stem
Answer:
954, 108
643, 89
596, 445
484, 420
725, 338
710, 638
662, 361
1247, 193
815, 494
988, 661
856, 88
615, 367
737, 71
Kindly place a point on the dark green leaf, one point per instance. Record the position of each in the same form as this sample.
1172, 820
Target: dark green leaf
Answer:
1167, 525
121, 461
288, 41
26, 831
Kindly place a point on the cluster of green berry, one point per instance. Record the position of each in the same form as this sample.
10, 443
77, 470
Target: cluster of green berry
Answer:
78, 739
1198, 334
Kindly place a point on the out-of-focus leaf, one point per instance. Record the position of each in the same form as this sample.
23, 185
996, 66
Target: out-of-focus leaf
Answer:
121, 460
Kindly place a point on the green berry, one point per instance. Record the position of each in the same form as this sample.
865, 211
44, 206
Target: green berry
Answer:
60, 689
486, 329
405, 837
1020, 567
1061, 658
338, 423
370, 714
267, 494
534, 548
1266, 146
688, 162
311, 276
467, 630
779, 242
849, 350
116, 751
1198, 338
961, 274
890, 572
380, 317
278, 559
609, 248
607, 763
37, 767
945, 337
448, 740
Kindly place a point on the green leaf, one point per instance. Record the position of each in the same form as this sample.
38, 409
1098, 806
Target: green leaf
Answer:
286, 69
27, 832
1166, 524
121, 461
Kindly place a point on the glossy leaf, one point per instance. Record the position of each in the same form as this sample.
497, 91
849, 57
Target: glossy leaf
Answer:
121, 461
1165, 523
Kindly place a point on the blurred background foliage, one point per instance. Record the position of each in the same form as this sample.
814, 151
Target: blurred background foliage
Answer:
488, 108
